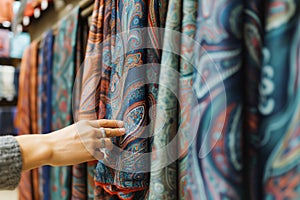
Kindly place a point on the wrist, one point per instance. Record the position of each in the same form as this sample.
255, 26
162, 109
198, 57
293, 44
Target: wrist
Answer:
48, 142
58, 143
32, 156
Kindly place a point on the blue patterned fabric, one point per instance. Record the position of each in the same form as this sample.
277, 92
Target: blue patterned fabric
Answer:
133, 96
214, 163
44, 100
63, 67
106, 66
251, 37
279, 103
244, 73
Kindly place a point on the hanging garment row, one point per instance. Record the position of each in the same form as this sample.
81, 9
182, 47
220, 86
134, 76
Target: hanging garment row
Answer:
208, 92
46, 81
227, 104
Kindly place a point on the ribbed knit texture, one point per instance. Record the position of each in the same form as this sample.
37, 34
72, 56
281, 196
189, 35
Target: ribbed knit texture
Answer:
10, 163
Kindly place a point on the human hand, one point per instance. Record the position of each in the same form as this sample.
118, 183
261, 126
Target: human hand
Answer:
83, 141
77, 143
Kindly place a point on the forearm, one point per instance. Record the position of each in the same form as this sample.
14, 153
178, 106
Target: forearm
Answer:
71, 145
80, 142
54, 148
35, 149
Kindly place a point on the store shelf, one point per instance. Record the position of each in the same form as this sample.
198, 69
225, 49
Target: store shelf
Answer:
4, 102
10, 61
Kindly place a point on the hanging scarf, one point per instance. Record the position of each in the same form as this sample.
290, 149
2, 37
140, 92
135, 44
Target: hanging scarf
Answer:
63, 71
26, 119
215, 157
22, 120
279, 103
186, 95
44, 101
79, 172
163, 182
33, 108
104, 67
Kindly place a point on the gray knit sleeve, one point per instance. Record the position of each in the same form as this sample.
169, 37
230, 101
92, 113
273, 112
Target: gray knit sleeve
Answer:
10, 163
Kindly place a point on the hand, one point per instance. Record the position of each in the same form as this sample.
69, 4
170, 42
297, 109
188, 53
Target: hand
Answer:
82, 141
77, 143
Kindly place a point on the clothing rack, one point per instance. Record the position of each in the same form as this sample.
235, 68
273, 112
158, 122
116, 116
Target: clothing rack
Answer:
52, 17
85, 3
86, 10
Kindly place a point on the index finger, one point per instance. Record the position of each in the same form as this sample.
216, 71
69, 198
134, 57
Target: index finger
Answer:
107, 123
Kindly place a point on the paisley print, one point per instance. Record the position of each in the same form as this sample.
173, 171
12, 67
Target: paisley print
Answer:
214, 159
237, 89
22, 120
280, 131
163, 182
186, 94
212, 30
107, 67
134, 119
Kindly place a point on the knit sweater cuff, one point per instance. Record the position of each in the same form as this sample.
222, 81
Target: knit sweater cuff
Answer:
10, 163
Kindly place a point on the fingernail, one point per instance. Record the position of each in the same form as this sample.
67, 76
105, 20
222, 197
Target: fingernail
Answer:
122, 130
120, 123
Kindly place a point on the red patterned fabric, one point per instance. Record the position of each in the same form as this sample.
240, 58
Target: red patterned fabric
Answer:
22, 120
33, 108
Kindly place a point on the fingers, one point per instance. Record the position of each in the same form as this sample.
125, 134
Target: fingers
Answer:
109, 132
107, 123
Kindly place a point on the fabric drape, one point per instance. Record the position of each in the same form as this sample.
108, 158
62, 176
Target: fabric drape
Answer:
33, 108
79, 172
22, 121
44, 102
89, 101
215, 166
217, 149
186, 96
278, 104
104, 67
220, 83
26, 119
63, 67
163, 182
